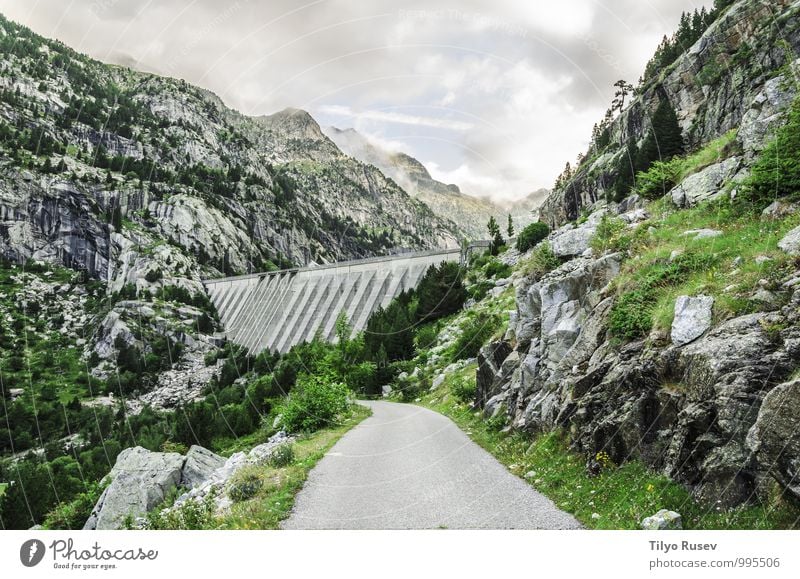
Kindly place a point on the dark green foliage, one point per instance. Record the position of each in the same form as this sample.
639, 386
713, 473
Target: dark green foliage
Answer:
244, 486
475, 332
316, 402
441, 292
691, 28
389, 335
531, 235
631, 315
776, 172
496, 237
73, 514
626, 172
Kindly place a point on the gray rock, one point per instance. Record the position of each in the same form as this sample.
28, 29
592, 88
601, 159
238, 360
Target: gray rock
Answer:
200, 464
572, 241
779, 210
775, 437
140, 480
791, 242
692, 318
706, 184
702, 233
663, 520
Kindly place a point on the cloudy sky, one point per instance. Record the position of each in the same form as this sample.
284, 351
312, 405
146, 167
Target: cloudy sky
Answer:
494, 95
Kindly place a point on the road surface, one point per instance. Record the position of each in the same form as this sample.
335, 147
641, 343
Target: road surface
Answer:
406, 467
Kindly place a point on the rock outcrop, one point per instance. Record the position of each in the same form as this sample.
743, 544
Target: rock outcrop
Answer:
685, 409
713, 88
141, 480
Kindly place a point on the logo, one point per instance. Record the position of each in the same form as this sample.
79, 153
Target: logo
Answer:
31, 553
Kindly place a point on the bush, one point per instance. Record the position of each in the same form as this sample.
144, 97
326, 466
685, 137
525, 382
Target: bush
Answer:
610, 235
283, 455
475, 332
426, 338
496, 269
73, 514
464, 388
531, 236
245, 485
363, 378
316, 402
776, 172
541, 261
660, 178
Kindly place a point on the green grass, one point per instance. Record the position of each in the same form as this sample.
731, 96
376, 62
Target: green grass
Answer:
273, 501
708, 264
3, 487
621, 495
663, 175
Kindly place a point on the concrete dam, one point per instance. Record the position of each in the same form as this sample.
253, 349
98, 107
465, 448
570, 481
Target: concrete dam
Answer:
277, 310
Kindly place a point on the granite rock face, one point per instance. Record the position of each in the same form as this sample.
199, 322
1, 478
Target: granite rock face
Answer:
691, 409
140, 480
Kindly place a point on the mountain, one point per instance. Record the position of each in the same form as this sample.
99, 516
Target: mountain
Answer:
722, 80
83, 140
526, 210
470, 213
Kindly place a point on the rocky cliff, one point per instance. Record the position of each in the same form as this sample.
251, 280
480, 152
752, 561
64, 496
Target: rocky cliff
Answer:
669, 331
727, 80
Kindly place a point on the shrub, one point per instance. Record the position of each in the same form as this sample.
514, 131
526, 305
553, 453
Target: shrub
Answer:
245, 485
464, 388
426, 338
531, 236
496, 269
363, 378
153, 275
541, 261
73, 514
475, 332
776, 172
661, 177
283, 455
316, 402
609, 235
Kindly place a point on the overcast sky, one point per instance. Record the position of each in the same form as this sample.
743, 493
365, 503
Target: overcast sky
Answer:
493, 95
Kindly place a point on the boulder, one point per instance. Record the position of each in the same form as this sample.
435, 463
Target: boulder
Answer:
775, 437
692, 318
571, 240
663, 520
200, 464
705, 185
791, 242
140, 480
779, 210
702, 233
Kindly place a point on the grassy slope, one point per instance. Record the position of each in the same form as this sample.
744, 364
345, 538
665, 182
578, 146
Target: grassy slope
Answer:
274, 501
619, 498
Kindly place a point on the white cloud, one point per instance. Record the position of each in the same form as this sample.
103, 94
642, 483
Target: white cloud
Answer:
393, 117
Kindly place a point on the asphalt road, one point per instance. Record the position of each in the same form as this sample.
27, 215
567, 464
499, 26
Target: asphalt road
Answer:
406, 467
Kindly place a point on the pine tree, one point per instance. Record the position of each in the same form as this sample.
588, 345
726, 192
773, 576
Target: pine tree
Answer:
495, 235
626, 171
510, 228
